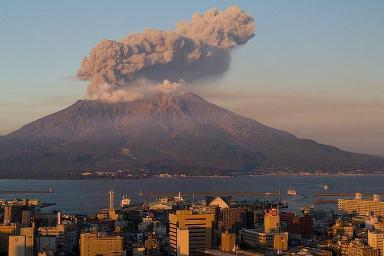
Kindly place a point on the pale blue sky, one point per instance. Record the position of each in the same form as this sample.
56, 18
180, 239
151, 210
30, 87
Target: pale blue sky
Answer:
314, 68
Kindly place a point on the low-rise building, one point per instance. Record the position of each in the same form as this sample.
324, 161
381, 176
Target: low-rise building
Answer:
96, 244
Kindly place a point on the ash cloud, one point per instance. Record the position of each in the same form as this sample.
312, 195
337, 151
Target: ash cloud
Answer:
196, 48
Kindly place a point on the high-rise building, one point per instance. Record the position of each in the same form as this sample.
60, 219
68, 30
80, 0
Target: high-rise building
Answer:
189, 231
5, 232
301, 225
16, 246
272, 221
361, 206
94, 244
235, 219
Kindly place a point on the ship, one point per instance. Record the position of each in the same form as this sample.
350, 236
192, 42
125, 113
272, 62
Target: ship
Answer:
291, 192
125, 202
178, 198
325, 187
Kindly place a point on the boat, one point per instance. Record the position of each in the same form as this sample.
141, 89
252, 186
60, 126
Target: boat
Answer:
325, 187
291, 192
125, 202
178, 198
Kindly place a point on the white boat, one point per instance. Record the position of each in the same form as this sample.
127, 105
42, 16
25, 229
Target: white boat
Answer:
291, 192
325, 187
125, 202
178, 198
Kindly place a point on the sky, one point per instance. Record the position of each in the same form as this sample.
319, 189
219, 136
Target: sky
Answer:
314, 68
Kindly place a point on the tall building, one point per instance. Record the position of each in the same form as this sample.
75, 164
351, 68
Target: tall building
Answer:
5, 232
94, 244
234, 219
272, 221
361, 206
376, 241
17, 246
188, 232
301, 225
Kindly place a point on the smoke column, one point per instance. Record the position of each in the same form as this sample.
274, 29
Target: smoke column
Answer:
160, 61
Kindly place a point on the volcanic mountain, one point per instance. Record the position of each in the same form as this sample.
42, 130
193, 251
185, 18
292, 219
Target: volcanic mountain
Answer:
164, 133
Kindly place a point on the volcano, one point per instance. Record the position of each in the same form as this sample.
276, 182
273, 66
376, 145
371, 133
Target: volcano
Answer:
177, 133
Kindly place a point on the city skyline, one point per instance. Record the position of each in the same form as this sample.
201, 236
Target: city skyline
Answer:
313, 68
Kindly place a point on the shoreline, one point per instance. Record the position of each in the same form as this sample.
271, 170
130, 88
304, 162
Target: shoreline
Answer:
197, 176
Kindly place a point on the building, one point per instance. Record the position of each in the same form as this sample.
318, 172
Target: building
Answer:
298, 225
66, 236
235, 219
5, 232
302, 225
96, 244
272, 221
280, 241
228, 242
375, 241
182, 241
358, 249
253, 238
189, 231
307, 251
222, 203
286, 221
343, 229
361, 206
28, 233
110, 213
47, 244
14, 213
16, 246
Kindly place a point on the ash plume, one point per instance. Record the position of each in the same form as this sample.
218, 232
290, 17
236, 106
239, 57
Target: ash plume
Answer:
196, 48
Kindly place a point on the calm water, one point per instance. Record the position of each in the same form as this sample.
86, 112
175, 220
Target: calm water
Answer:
87, 196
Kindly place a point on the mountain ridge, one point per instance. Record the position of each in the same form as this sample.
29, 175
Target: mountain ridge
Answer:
180, 133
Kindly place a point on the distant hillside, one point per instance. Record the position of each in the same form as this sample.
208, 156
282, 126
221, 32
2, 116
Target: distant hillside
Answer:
179, 133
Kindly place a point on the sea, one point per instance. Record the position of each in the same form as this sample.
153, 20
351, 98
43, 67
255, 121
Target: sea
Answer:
87, 196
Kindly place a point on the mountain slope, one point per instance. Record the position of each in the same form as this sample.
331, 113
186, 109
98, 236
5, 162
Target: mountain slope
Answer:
181, 133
